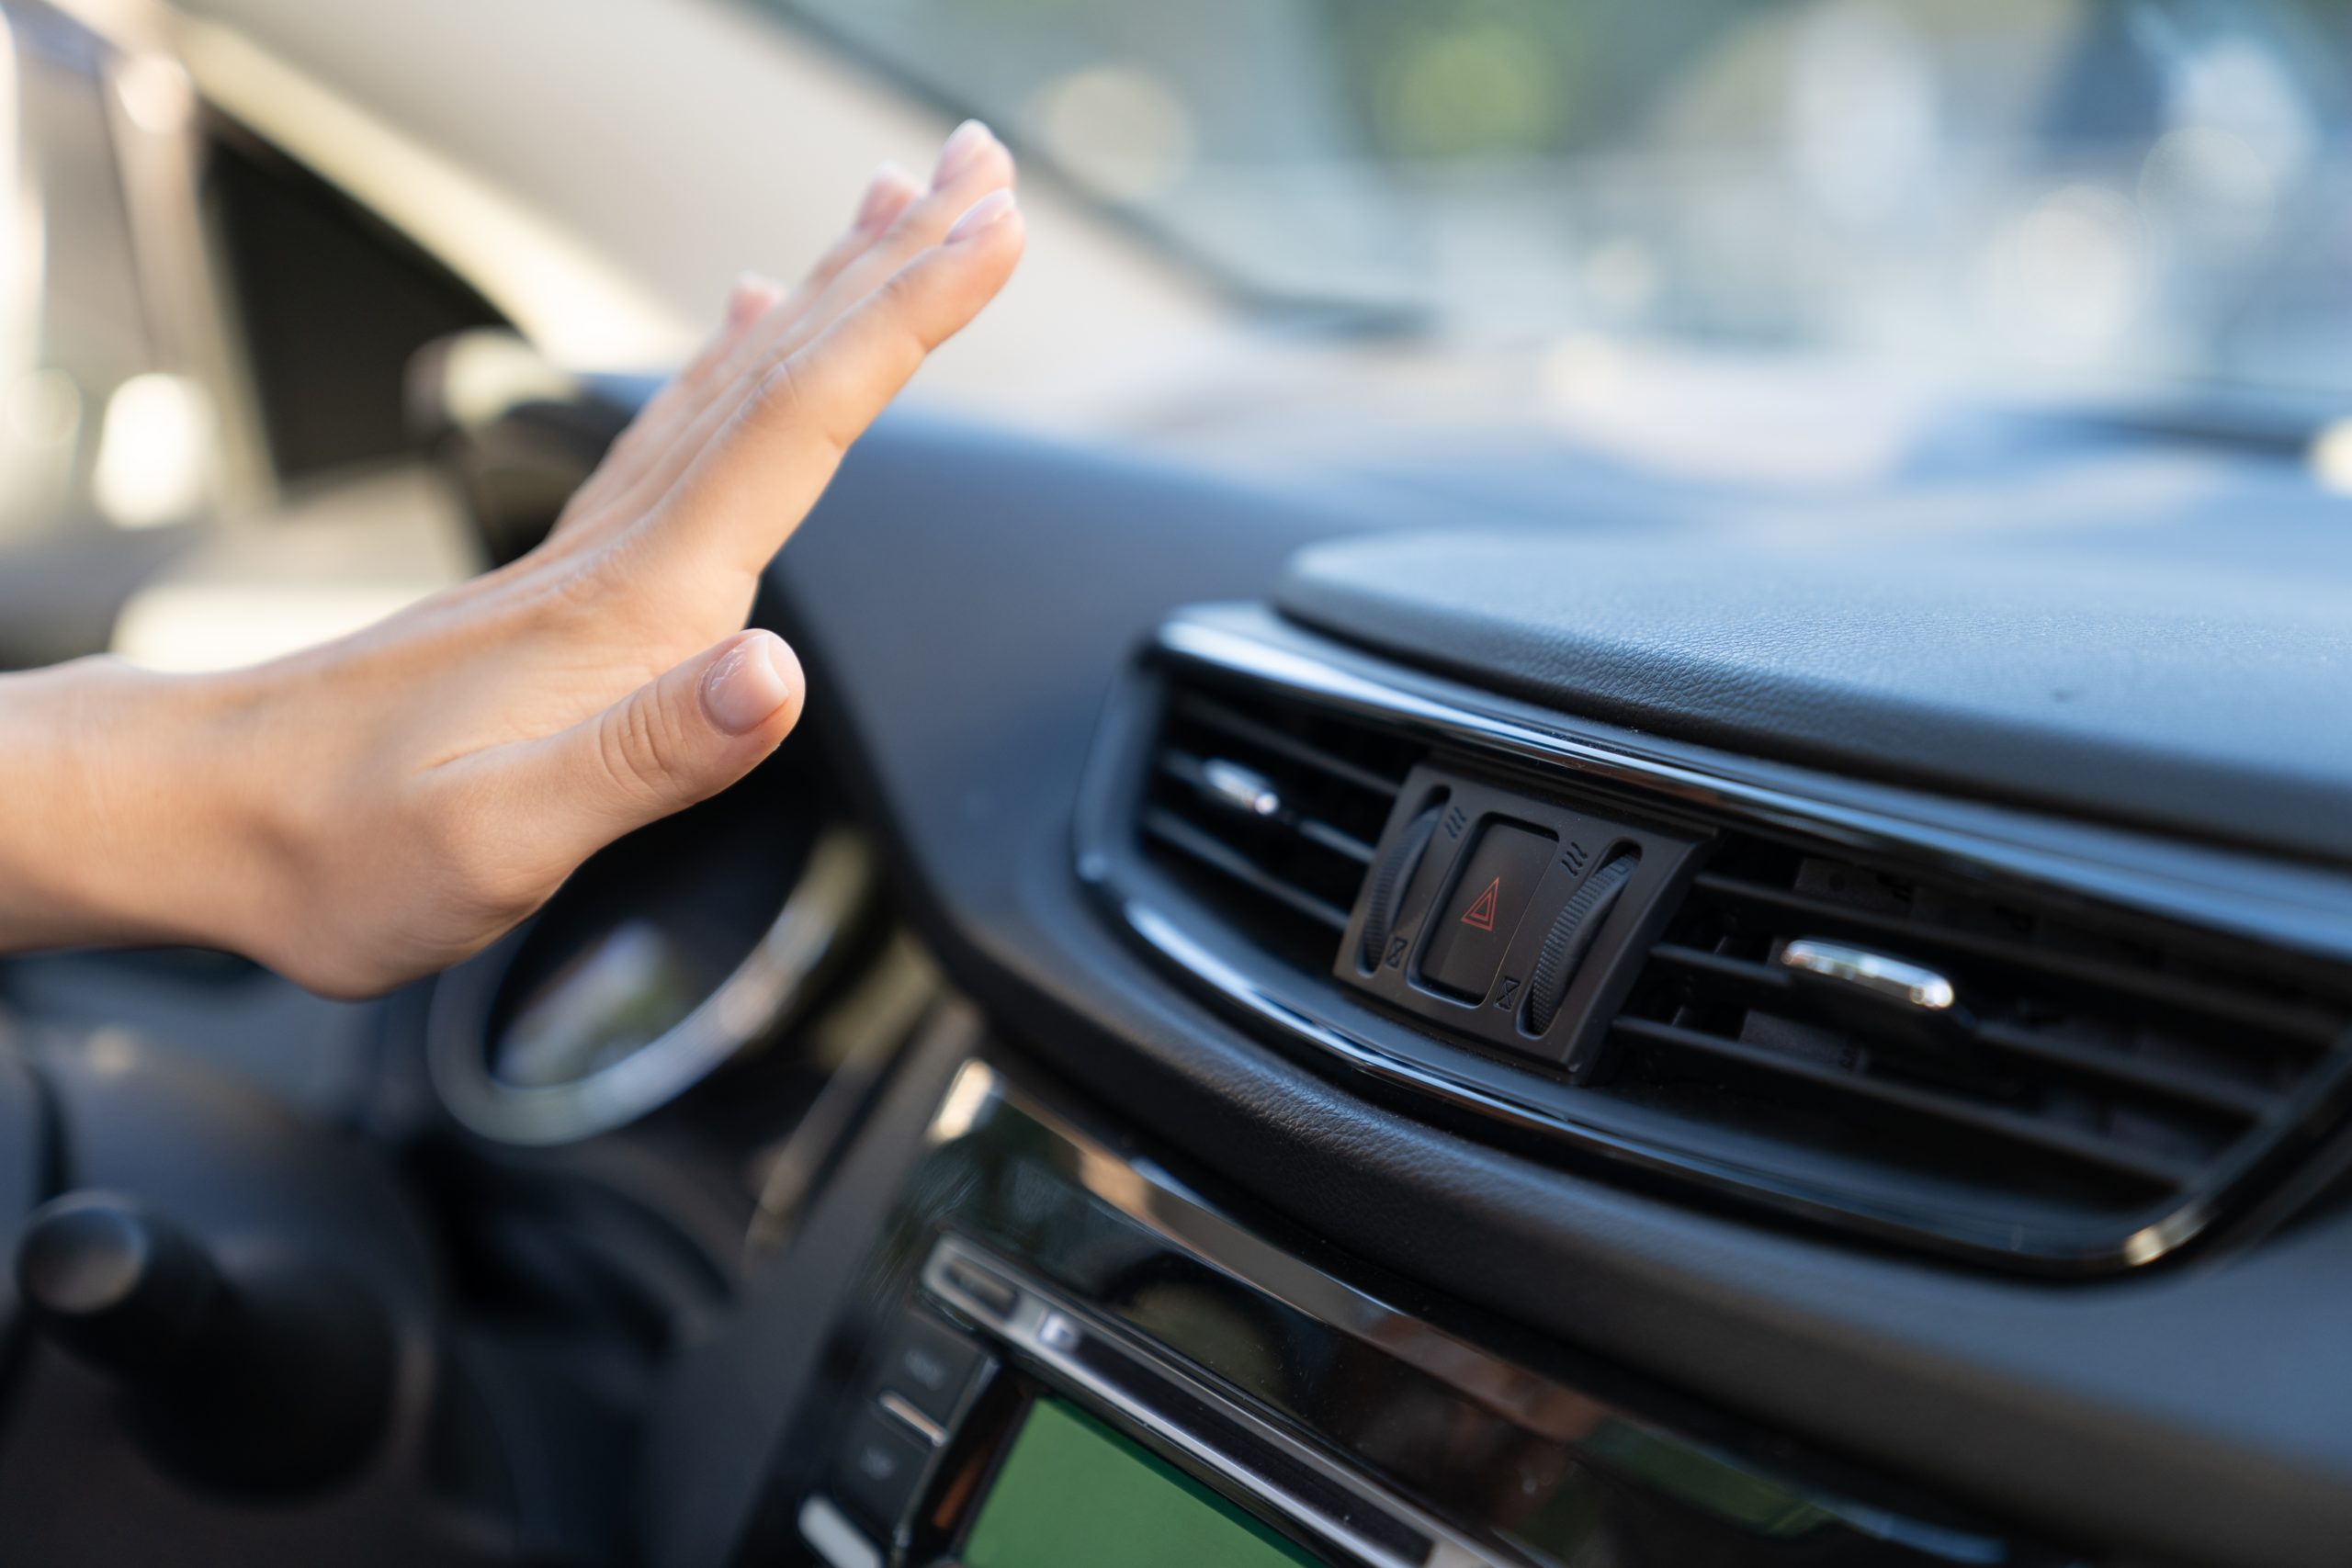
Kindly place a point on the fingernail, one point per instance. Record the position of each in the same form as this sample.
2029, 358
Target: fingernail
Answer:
751, 296
990, 211
888, 181
747, 685
963, 145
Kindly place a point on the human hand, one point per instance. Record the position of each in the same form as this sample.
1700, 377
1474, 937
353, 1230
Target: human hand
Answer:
378, 808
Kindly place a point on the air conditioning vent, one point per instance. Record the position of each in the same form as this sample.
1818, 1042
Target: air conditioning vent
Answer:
1269, 811
2047, 1046
2071, 1076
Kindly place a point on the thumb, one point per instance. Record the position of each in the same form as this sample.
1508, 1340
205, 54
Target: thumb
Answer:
680, 739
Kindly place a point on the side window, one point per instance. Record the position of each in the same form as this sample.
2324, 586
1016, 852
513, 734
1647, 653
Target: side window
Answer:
203, 355
77, 332
120, 429
330, 303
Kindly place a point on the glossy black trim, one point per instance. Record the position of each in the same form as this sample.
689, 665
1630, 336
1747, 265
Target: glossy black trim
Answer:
1314, 1397
1350, 1517
2269, 907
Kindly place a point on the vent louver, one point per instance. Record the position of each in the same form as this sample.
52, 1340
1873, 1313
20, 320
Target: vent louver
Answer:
2081, 1079
1269, 811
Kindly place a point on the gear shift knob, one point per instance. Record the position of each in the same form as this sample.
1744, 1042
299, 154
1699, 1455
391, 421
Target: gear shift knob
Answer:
269, 1379
115, 1285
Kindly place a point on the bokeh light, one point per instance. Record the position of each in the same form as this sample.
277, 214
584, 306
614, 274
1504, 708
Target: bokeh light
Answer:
1119, 130
156, 449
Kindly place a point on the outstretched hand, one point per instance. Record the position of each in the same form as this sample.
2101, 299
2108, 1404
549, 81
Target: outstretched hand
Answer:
379, 806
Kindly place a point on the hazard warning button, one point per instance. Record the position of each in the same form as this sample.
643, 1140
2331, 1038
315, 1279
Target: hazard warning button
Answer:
1472, 928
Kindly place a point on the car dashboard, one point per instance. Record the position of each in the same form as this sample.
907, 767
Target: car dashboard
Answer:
1233, 1036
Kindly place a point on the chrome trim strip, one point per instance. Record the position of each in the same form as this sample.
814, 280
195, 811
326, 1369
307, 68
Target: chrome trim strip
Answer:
914, 1420
749, 1003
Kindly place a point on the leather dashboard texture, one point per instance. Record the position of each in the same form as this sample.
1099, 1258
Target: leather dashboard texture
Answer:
2186, 678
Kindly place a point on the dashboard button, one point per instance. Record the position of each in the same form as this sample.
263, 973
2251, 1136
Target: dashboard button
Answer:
833, 1539
1471, 928
993, 1294
930, 1366
877, 1468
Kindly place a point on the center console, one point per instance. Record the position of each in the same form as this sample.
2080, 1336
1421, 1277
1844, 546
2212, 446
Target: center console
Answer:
1061, 1351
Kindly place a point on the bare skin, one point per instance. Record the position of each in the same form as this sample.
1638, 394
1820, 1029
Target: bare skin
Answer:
380, 806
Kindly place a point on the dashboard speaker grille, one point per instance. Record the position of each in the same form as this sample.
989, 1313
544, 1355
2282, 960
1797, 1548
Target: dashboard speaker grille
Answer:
2071, 1070
1270, 810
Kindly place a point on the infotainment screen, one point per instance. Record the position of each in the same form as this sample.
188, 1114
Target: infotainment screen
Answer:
1073, 1494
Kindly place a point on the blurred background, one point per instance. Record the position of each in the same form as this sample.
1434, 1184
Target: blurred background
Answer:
262, 262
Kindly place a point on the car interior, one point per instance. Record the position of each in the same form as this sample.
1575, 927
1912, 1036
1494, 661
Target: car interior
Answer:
1586, 802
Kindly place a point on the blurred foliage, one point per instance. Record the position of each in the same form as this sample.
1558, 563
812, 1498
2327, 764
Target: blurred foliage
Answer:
2143, 185
1438, 79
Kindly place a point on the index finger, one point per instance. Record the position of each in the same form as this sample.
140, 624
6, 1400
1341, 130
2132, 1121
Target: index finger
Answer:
757, 477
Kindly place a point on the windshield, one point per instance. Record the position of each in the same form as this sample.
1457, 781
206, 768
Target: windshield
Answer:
2148, 189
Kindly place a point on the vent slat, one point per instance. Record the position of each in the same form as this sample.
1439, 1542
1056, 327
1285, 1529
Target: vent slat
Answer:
1281, 804
1766, 984
1173, 830
2092, 1069
2086, 1149
2246, 1010
1331, 839
2184, 1085
1187, 769
1760, 980
1217, 716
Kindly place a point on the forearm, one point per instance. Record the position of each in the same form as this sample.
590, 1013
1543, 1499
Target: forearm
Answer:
124, 817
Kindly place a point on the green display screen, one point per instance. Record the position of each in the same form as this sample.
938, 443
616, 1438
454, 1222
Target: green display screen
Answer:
1073, 1494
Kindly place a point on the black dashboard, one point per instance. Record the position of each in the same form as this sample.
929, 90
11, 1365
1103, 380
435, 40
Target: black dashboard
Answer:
1403, 1045
2187, 1408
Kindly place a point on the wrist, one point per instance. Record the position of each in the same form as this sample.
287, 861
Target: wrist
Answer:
129, 812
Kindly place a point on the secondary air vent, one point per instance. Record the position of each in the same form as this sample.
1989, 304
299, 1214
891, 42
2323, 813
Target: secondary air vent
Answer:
1922, 1050
1268, 810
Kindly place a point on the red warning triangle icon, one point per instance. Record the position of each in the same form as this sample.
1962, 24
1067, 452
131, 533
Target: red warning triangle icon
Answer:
1481, 913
